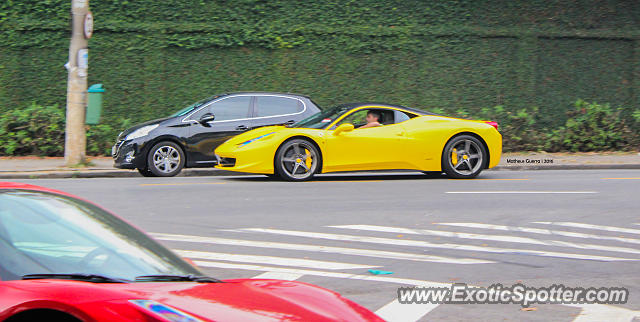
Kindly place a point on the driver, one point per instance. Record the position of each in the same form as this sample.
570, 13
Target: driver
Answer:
374, 118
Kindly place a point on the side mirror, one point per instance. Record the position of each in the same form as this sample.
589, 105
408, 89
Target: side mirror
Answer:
346, 127
206, 118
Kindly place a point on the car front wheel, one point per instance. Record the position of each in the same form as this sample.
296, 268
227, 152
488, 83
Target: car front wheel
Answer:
297, 160
165, 159
463, 157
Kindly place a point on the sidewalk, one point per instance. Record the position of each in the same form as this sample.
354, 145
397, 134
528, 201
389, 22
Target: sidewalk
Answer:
102, 167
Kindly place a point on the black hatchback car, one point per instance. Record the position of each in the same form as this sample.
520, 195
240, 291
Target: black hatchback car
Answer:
188, 138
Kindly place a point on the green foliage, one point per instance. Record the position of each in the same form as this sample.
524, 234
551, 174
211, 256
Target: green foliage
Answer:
39, 130
520, 129
35, 130
593, 127
155, 57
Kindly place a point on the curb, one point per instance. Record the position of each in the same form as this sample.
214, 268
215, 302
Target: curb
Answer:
567, 167
53, 174
108, 174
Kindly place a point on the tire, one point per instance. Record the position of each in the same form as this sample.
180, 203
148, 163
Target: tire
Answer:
165, 159
146, 172
458, 163
297, 160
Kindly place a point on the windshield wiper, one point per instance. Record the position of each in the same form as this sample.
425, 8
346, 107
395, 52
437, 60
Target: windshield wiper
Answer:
93, 278
177, 278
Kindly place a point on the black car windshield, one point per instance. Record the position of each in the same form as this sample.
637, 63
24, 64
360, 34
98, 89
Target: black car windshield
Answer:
44, 233
322, 119
193, 106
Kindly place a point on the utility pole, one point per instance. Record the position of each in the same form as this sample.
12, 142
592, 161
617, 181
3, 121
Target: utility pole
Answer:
81, 29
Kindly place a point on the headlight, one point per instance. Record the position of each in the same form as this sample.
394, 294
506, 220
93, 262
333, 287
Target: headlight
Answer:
254, 139
164, 311
143, 131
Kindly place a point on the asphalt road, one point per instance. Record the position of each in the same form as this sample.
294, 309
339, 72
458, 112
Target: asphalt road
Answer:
576, 228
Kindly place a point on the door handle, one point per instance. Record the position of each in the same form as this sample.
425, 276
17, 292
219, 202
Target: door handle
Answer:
242, 128
401, 133
290, 122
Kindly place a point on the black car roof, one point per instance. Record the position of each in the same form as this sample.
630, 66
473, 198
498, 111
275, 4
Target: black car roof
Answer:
272, 93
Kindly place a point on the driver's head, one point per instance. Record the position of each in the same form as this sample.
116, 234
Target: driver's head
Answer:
374, 116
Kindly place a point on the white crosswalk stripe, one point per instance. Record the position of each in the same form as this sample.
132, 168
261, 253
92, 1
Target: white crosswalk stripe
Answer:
590, 226
420, 243
272, 260
505, 238
319, 248
295, 267
540, 231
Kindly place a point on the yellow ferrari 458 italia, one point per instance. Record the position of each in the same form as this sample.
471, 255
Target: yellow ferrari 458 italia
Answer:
365, 136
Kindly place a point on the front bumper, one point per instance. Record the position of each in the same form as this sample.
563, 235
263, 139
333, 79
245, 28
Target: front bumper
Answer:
258, 159
128, 155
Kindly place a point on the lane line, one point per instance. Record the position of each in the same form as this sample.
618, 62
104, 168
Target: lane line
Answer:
523, 192
278, 276
539, 231
321, 249
502, 238
271, 260
620, 178
418, 243
589, 226
179, 184
395, 311
500, 179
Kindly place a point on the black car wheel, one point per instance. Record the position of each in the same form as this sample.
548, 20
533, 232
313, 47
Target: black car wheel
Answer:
463, 157
165, 159
297, 160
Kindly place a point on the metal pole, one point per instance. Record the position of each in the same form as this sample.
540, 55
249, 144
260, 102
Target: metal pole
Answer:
75, 136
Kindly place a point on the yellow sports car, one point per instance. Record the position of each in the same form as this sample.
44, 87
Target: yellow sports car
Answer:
365, 136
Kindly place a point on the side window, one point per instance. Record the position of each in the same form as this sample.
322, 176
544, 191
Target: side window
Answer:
356, 118
228, 109
274, 106
402, 116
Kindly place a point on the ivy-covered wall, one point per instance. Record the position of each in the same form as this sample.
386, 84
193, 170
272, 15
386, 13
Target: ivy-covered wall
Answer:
156, 56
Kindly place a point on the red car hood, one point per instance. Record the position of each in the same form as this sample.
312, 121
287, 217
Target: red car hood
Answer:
234, 300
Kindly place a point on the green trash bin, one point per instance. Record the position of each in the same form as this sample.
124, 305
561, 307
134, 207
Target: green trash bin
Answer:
94, 104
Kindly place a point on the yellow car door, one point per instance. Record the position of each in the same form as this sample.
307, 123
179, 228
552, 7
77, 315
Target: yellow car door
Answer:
376, 148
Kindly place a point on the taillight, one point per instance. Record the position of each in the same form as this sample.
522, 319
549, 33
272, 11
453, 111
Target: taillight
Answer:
492, 123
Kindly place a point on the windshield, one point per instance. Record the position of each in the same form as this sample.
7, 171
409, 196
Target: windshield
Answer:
322, 119
43, 233
193, 106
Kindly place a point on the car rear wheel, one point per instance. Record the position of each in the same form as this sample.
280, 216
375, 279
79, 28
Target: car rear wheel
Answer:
463, 157
165, 159
297, 160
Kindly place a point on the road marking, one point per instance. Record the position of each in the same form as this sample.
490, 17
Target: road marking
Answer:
278, 276
591, 312
504, 179
504, 238
601, 312
524, 192
271, 260
590, 226
322, 249
179, 184
314, 181
375, 278
620, 178
396, 311
539, 231
418, 243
